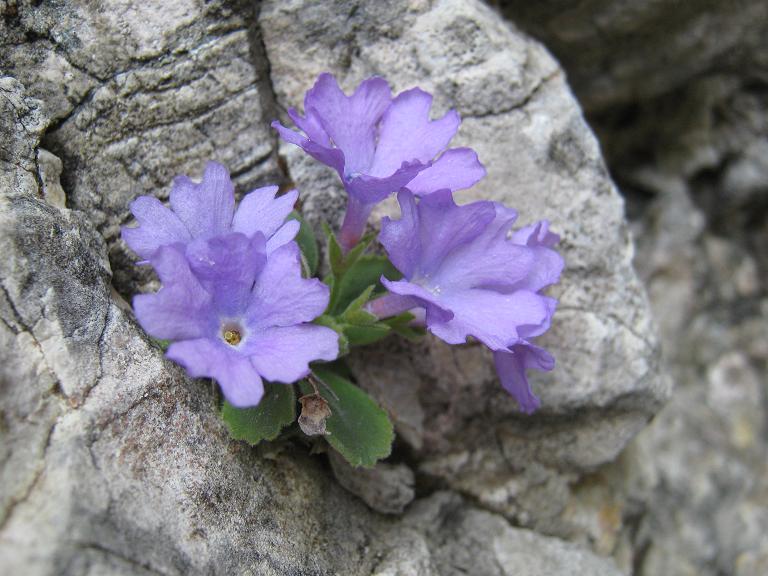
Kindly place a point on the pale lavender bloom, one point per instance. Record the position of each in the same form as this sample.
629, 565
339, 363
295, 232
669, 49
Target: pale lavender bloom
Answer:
207, 209
237, 314
379, 144
461, 266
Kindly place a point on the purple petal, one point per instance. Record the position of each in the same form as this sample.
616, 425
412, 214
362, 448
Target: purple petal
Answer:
547, 264
260, 211
284, 234
332, 157
490, 261
290, 136
239, 380
391, 304
537, 234
311, 126
401, 238
281, 297
531, 331
206, 208
407, 134
492, 318
511, 367
372, 190
350, 121
444, 226
181, 309
456, 169
546, 270
283, 354
227, 267
436, 312
158, 226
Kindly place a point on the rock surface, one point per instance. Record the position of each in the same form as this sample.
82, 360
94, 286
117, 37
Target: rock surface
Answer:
113, 461
677, 93
519, 115
625, 51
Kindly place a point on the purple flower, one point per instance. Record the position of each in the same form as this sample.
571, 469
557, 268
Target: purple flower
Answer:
237, 313
379, 145
206, 210
461, 266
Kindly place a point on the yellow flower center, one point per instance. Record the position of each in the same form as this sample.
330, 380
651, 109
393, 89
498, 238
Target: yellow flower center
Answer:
232, 336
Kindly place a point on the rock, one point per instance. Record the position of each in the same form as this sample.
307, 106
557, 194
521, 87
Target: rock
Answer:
687, 142
618, 51
465, 540
707, 447
387, 488
113, 461
542, 159
141, 93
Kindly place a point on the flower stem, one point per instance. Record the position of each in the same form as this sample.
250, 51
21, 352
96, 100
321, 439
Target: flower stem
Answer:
354, 223
390, 305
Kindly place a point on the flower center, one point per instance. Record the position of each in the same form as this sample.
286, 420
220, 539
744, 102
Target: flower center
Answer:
232, 333
232, 337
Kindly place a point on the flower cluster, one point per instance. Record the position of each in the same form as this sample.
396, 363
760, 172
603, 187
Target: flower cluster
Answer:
237, 306
233, 300
465, 273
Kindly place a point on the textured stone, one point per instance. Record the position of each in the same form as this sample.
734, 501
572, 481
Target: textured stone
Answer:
140, 93
709, 501
464, 540
519, 115
113, 461
621, 51
677, 94
387, 488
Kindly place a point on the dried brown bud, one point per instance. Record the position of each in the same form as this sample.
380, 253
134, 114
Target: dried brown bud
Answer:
314, 411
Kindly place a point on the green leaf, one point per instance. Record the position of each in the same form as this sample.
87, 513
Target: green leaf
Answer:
335, 253
366, 271
401, 324
359, 428
337, 260
364, 335
307, 243
355, 313
263, 422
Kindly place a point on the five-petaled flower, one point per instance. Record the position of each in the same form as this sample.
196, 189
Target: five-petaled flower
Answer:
237, 314
473, 277
379, 144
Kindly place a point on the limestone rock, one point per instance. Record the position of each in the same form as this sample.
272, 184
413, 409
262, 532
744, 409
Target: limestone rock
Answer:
464, 540
113, 461
677, 94
542, 159
621, 51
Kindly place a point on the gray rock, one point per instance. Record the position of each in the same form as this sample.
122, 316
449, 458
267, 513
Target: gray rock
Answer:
141, 93
621, 51
705, 512
519, 115
387, 488
113, 461
464, 540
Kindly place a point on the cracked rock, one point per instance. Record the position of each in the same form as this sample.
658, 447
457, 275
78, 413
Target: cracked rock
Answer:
542, 159
113, 461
